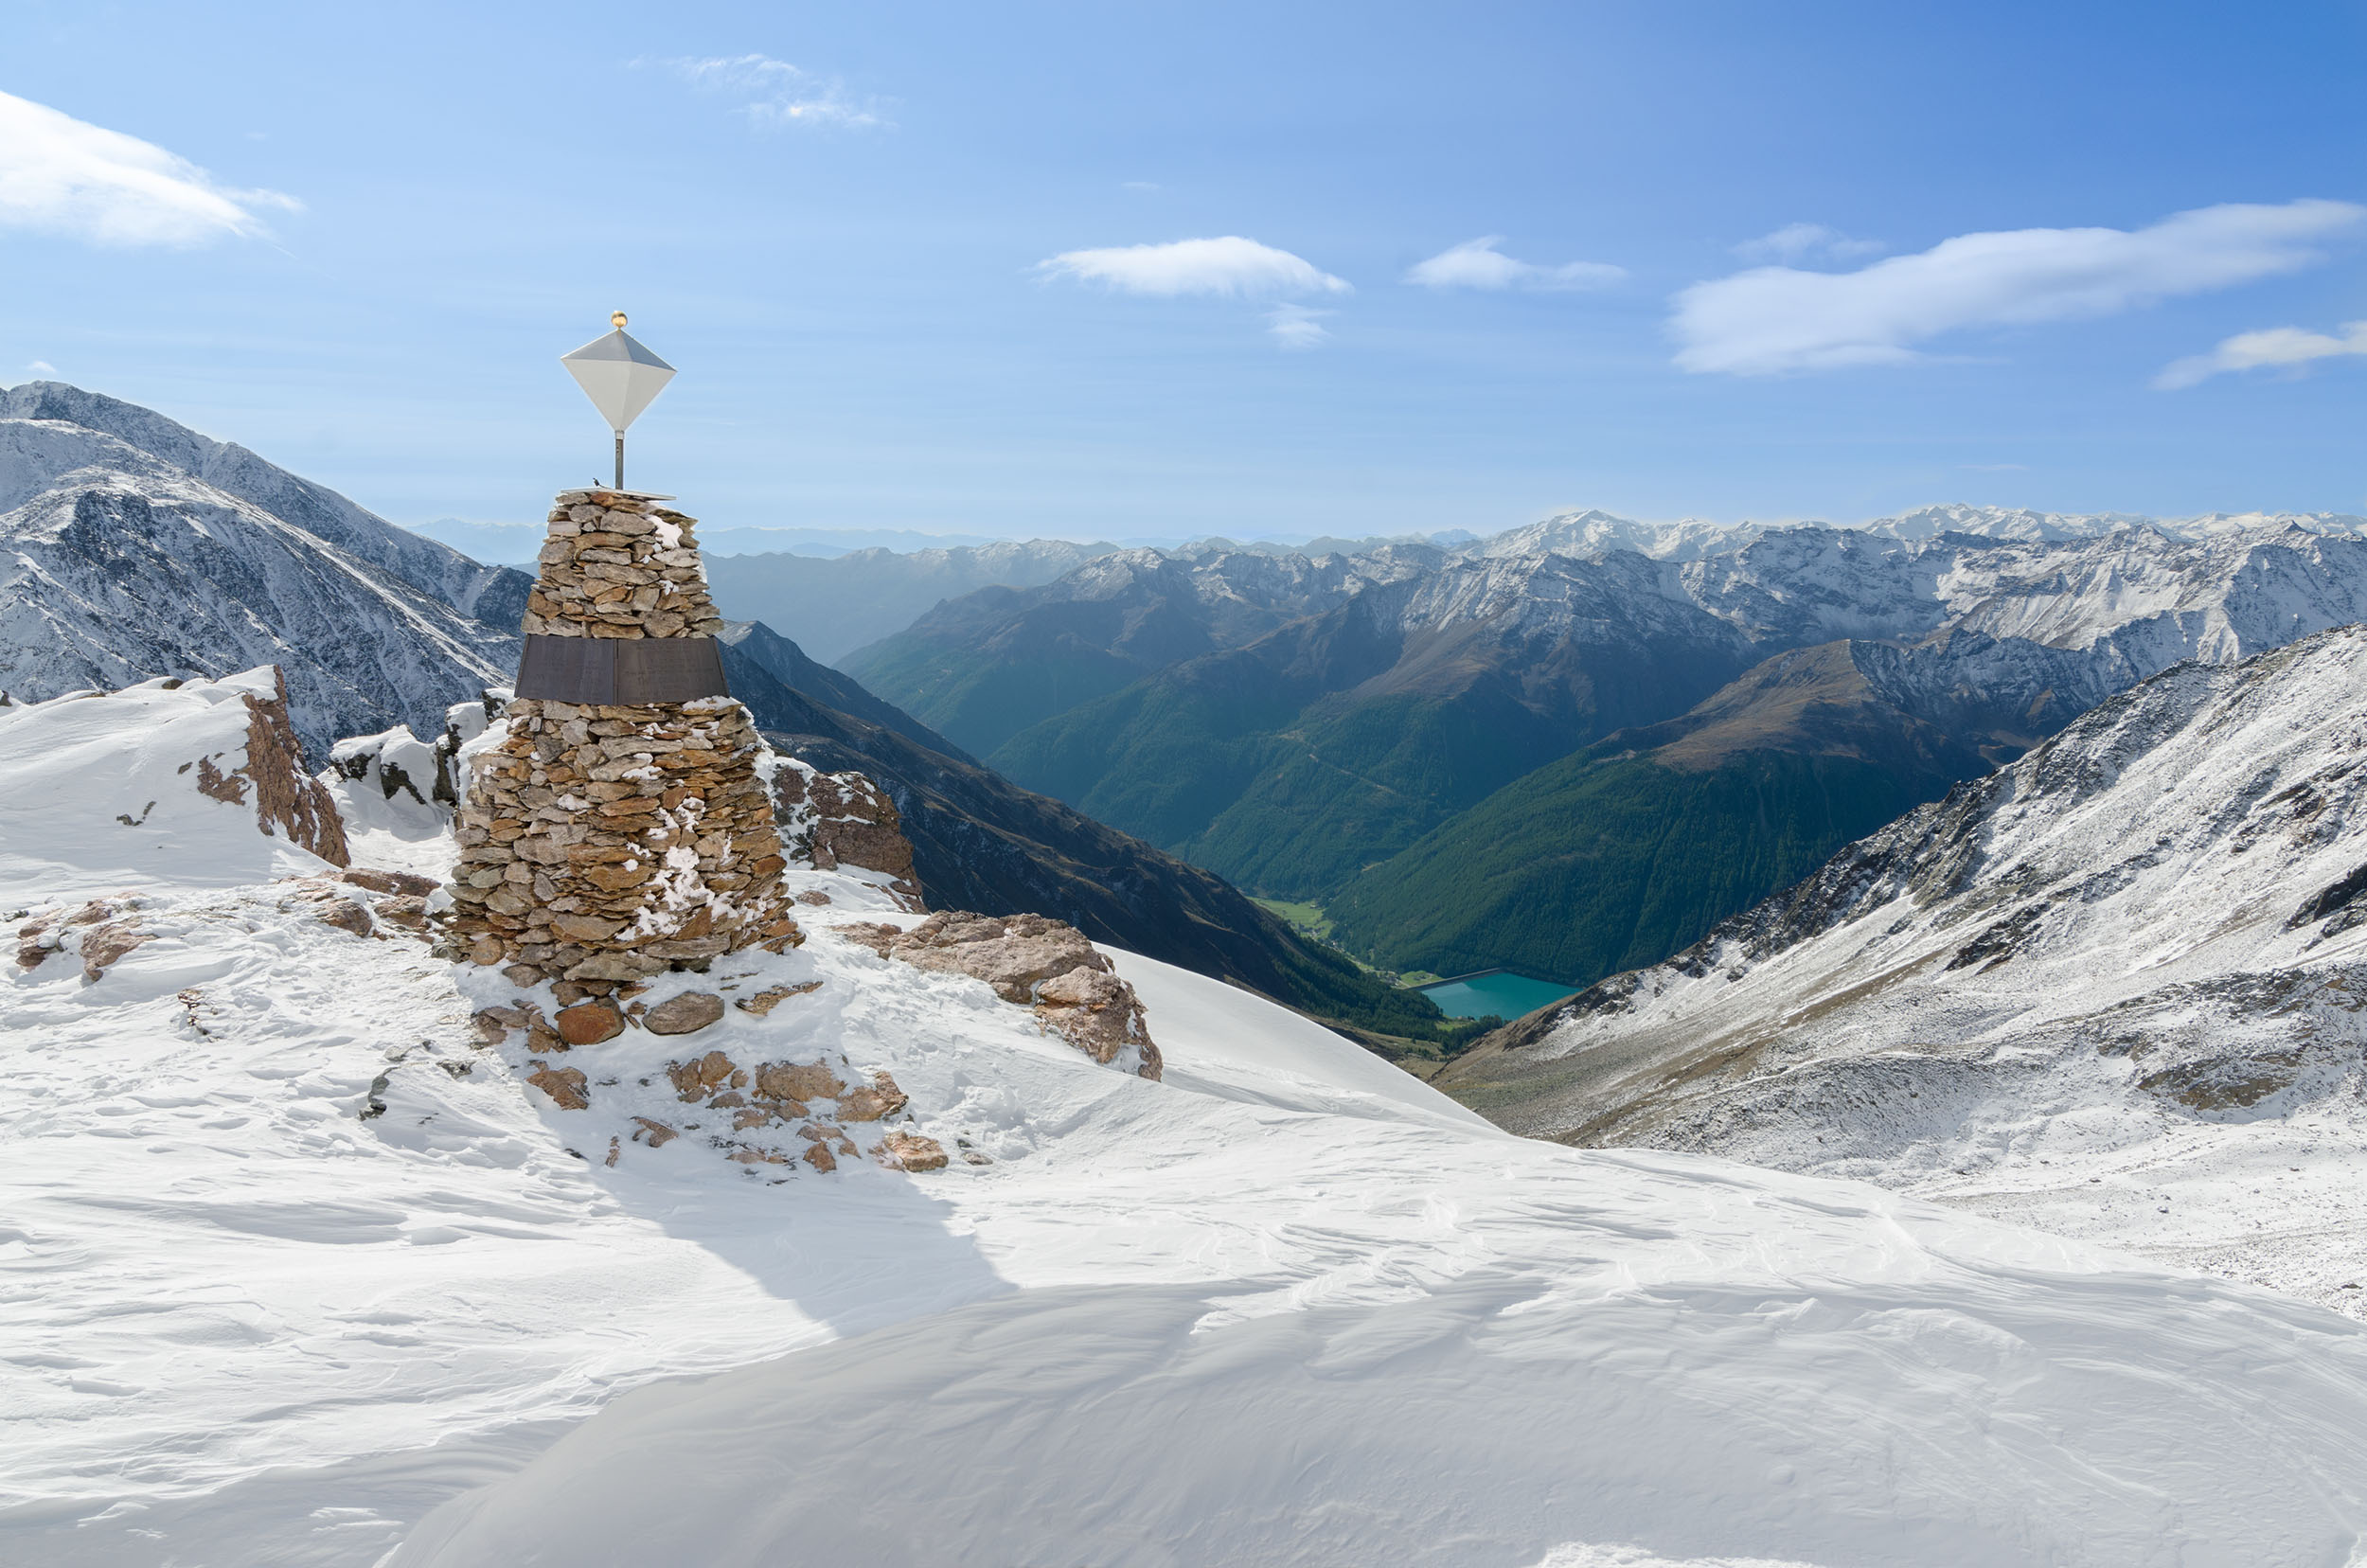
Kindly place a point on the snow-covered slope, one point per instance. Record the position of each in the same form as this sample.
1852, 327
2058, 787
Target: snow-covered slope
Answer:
302, 1267
199, 776
133, 548
2115, 989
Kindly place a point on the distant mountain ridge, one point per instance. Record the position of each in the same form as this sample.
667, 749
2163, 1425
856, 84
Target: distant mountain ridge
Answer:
987, 664
132, 547
1301, 757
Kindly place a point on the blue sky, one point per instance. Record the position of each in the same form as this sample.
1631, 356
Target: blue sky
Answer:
903, 254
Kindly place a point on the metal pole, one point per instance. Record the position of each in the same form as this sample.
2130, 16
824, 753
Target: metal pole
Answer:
620, 459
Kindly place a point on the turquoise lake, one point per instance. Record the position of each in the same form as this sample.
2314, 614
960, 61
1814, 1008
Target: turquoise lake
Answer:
1503, 993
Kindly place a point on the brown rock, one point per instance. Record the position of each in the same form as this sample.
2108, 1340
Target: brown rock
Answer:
848, 820
863, 1105
790, 1081
683, 1014
287, 799
657, 1133
613, 965
820, 1157
398, 882
583, 928
589, 1023
911, 1151
772, 996
693, 1079
107, 945
346, 915
1029, 959
403, 910
567, 1087
814, 896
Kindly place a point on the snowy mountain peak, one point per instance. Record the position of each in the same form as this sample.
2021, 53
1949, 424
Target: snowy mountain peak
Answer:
133, 548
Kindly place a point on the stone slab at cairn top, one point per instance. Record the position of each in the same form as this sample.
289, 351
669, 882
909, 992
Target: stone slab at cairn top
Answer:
602, 844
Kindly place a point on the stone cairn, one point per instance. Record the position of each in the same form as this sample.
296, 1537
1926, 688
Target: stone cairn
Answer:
603, 843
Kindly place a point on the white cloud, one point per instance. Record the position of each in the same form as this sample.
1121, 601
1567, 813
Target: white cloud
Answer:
2285, 346
1477, 264
1296, 326
1776, 319
1798, 241
1242, 269
776, 92
40, 368
59, 175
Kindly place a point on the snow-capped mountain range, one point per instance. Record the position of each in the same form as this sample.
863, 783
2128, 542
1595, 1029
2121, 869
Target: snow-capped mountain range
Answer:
2117, 988
132, 548
320, 1269
1587, 533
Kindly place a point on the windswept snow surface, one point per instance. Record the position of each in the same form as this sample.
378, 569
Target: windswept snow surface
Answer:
1285, 1307
95, 790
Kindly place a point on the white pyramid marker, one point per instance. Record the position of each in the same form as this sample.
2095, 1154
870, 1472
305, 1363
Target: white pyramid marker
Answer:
621, 378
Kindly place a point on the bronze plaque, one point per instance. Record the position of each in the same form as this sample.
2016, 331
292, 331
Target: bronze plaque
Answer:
621, 672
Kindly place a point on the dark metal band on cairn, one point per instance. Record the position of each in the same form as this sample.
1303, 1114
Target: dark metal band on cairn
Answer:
608, 671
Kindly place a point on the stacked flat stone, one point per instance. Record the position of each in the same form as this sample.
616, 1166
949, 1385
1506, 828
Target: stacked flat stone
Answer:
619, 565
600, 845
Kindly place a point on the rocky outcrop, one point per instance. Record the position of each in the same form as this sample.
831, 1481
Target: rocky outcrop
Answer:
831, 820
183, 780
817, 1098
61, 928
1031, 961
286, 797
604, 843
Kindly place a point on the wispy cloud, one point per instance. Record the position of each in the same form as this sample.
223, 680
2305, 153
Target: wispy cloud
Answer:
1808, 242
1230, 266
60, 176
1478, 264
773, 93
40, 368
2290, 346
1297, 326
1772, 320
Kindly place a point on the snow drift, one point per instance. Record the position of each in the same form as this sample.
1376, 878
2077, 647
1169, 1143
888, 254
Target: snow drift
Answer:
308, 1268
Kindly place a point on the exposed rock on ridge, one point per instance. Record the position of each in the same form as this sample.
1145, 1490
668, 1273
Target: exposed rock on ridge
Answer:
1033, 962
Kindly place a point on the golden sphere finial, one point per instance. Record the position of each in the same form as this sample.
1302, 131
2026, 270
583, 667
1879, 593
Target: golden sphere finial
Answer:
616, 319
